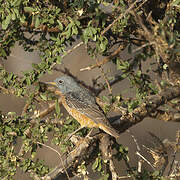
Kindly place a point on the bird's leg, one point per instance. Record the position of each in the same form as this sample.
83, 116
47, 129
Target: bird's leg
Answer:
73, 133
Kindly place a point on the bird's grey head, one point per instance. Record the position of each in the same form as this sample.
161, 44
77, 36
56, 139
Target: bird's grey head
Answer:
66, 84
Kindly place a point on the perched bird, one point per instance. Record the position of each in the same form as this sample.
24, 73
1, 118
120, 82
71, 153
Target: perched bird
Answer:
81, 105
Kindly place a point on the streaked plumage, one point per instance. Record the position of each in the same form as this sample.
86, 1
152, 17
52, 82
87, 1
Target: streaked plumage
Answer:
81, 105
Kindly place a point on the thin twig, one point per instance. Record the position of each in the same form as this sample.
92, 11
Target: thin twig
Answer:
68, 52
41, 114
142, 157
124, 177
6, 91
138, 150
59, 157
25, 108
51, 106
112, 169
135, 140
141, 47
120, 16
105, 78
105, 60
78, 152
162, 152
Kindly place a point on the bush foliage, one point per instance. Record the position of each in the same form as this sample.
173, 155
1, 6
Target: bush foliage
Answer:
148, 29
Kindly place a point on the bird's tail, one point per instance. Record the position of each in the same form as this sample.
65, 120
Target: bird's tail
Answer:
110, 130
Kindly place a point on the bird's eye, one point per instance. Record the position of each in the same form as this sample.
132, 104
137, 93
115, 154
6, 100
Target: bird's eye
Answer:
60, 81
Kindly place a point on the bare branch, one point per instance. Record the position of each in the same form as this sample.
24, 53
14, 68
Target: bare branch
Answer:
120, 16
80, 151
142, 157
151, 104
60, 156
105, 60
68, 52
106, 80
105, 147
166, 115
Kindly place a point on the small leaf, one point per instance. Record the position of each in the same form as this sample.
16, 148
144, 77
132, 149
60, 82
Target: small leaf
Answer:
28, 9
139, 73
51, 21
6, 22
44, 97
8, 129
13, 16
57, 108
37, 22
165, 66
16, 12
58, 59
156, 173
28, 81
95, 164
100, 165
60, 25
33, 155
74, 30
16, 3
176, 3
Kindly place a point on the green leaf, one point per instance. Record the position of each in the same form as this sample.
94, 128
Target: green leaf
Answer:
53, 38
74, 30
20, 91
77, 23
16, 3
156, 173
139, 73
60, 25
8, 129
13, 16
100, 165
68, 33
44, 97
165, 66
176, 3
28, 81
29, 9
16, 12
6, 22
58, 59
51, 21
37, 22
22, 19
33, 155
95, 164
57, 108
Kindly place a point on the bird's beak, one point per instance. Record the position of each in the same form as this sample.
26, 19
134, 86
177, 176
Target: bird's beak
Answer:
51, 83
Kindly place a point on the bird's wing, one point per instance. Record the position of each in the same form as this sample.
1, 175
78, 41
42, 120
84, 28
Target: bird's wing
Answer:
90, 109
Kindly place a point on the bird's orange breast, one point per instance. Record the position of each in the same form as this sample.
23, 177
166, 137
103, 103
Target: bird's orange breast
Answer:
80, 117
